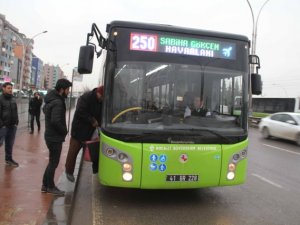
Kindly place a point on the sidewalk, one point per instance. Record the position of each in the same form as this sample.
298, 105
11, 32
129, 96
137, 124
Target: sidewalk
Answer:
22, 202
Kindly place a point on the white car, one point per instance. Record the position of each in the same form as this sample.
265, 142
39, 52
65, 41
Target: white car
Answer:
283, 125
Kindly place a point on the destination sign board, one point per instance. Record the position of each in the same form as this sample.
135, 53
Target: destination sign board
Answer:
182, 45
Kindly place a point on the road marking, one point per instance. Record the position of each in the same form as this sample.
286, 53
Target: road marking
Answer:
282, 149
266, 180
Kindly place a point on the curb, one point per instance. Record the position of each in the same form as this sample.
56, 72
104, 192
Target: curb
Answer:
61, 208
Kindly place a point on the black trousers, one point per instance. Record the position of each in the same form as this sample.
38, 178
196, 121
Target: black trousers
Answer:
54, 156
37, 118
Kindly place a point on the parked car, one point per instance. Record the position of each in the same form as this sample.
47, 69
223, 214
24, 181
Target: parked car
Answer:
18, 93
283, 125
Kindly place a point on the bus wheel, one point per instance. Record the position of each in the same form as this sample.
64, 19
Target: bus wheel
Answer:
265, 133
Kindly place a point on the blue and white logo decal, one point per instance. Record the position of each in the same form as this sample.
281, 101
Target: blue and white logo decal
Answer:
153, 157
162, 158
162, 167
153, 166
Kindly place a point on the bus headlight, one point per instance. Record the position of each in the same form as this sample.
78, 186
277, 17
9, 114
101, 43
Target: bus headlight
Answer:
127, 167
110, 152
236, 157
231, 167
122, 157
230, 175
244, 153
127, 176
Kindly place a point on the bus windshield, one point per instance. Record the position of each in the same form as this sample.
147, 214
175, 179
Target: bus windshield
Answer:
175, 93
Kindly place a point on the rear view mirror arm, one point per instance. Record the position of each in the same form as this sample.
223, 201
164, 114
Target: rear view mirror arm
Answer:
102, 42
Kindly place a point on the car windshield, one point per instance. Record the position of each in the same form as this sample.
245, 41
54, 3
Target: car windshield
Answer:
298, 117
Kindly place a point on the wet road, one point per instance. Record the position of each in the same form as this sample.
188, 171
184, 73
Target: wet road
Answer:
271, 195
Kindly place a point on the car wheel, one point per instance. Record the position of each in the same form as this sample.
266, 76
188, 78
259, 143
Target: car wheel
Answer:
265, 132
298, 140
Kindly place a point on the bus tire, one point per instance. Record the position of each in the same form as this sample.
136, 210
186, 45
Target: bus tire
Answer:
265, 133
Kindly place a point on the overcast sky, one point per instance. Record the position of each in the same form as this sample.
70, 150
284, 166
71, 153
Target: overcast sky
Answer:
68, 21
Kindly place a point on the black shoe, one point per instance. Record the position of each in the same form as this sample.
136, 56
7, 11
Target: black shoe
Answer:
44, 189
70, 177
55, 191
31, 132
12, 163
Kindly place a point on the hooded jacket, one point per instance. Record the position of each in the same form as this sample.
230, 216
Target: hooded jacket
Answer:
8, 111
55, 117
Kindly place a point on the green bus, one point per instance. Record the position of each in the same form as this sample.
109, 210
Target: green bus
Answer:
151, 74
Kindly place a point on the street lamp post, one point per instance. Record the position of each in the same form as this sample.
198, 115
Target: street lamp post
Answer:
74, 73
254, 26
253, 45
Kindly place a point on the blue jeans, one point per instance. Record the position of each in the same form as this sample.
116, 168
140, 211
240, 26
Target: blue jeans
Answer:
7, 135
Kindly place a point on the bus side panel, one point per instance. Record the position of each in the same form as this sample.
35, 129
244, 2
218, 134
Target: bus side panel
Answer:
228, 151
110, 168
184, 161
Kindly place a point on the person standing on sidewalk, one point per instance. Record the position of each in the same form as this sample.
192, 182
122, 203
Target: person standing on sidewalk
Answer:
35, 111
9, 121
86, 119
55, 131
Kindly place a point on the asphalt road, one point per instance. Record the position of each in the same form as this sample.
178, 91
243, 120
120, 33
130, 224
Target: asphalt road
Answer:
271, 195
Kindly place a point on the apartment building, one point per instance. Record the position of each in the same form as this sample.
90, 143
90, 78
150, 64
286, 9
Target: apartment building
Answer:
7, 43
15, 48
37, 75
51, 75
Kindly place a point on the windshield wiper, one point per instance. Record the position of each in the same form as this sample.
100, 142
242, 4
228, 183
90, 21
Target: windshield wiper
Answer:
177, 131
209, 131
141, 135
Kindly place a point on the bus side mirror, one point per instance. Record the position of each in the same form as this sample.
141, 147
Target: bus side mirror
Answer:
86, 58
254, 60
256, 84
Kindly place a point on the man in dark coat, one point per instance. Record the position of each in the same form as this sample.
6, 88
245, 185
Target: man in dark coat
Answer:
9, 121
35, 111
199, 109
55, 131
86, 119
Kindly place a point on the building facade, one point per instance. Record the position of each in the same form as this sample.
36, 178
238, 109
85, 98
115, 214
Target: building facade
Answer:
15, 45
51, 75
37, 78
7, 44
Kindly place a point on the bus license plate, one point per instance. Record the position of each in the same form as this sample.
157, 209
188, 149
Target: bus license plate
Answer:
182, 178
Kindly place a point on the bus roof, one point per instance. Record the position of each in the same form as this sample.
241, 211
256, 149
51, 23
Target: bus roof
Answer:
171, 28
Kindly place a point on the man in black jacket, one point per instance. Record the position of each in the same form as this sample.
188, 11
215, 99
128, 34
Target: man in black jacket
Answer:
35, 111
55, 131
86, 119
8, 122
